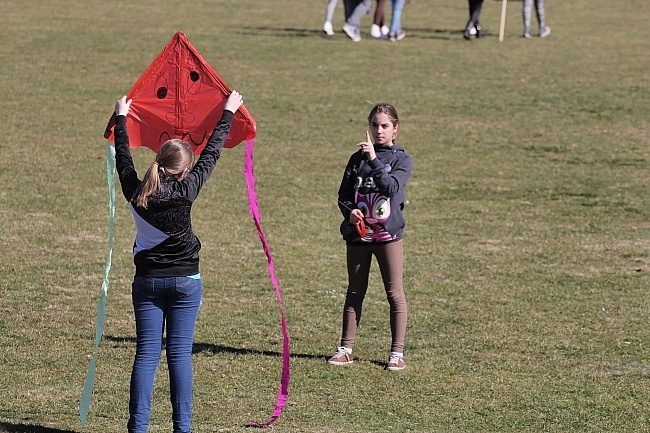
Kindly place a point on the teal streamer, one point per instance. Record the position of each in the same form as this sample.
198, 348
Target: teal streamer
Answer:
86, 395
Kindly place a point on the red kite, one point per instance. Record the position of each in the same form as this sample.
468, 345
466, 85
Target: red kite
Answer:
180, 96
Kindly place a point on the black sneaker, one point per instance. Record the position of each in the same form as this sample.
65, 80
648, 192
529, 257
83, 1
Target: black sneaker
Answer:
470, 30
479, 31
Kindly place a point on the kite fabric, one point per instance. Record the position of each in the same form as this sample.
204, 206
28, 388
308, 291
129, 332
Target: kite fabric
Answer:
180, 96
253, 205
86, 394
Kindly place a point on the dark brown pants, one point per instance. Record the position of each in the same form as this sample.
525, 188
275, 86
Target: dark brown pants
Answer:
379, 13
390, 257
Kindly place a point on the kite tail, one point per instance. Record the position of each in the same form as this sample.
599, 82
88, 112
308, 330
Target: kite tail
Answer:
86, 395
283, 392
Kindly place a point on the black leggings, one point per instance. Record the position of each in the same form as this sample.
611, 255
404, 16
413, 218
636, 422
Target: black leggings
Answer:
474, 11
390, 257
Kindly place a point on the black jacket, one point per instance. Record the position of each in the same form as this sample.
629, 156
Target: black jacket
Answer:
165, 245
376, 187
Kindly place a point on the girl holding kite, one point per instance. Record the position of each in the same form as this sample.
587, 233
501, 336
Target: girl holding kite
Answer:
167, 286
371, 198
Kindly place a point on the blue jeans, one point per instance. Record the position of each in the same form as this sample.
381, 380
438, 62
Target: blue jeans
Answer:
396, 17
174, 302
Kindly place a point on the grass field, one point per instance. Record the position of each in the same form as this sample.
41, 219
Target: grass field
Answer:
528, 223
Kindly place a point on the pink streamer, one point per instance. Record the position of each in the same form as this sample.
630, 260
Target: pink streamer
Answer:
253, 205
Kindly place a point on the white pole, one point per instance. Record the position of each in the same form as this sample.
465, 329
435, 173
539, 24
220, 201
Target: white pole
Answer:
502, 29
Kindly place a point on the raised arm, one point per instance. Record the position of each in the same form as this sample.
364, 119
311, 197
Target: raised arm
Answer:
123, 161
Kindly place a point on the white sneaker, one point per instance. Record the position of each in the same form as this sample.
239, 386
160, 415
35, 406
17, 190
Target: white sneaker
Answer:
328, 29
544, 32
385, 30
341, 357
375, 31
395, 363
353, 33
397, 37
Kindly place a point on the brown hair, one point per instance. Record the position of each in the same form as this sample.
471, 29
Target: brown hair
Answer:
173, 159
386, 108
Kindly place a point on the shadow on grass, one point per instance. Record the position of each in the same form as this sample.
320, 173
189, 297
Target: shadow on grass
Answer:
293, 32
27, 428
218, 348
280, 32
432, 33
118, 340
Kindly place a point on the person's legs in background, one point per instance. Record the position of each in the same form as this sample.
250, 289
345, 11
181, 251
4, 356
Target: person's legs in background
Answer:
378, 29
527, 11
356, 10
396, 33
473, 27
329, 16
544, 30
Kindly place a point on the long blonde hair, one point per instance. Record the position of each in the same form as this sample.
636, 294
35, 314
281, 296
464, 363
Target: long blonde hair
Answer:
174, 159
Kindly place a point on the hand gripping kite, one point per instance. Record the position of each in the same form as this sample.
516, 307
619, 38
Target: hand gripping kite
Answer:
180, 96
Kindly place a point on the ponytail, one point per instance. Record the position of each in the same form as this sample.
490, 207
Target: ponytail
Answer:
148, 186
174, 159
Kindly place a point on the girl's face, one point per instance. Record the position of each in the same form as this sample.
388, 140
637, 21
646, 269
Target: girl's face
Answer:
382, 129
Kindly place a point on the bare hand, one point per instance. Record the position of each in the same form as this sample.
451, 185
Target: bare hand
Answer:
367, 147
122, 106
356, 216
234, 101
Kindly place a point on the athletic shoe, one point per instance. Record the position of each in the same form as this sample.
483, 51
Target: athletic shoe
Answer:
375, 31
527, 33
398, 37
470, 31
328, 29
353, 33
395, 363
479, 31
341, 357
544, 32
385, 30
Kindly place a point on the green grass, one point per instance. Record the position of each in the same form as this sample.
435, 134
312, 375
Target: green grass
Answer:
527, 244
